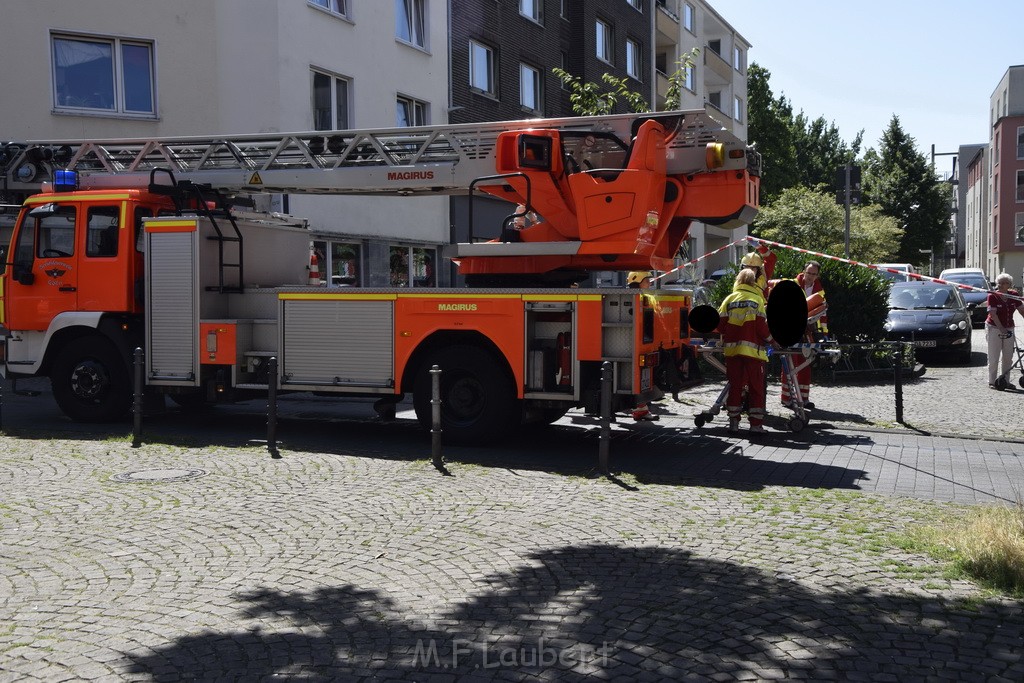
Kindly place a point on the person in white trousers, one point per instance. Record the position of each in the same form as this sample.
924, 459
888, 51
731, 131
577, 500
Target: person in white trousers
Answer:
1002, 303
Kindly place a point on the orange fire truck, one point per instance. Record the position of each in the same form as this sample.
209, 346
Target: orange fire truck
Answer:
137, 243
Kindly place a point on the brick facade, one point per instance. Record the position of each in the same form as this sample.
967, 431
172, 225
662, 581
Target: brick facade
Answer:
517, 39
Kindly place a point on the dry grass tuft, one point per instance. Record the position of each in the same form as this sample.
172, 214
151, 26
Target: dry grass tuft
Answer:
988, 545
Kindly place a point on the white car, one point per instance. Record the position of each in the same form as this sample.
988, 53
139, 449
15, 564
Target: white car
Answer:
906, 270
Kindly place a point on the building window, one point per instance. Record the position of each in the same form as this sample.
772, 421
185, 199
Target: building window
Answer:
1018, 230
412, 266
715, 99
604, 41
1020, 186
715, 46
633, 59
330, 102
688, 17
481, 67
1020, 143
996, 150
410, 22
636, 4
339, 7
737, 59
341, 260
995, 190
688, 78
530, 9
529, 87
410, 112
737, 109
103, 74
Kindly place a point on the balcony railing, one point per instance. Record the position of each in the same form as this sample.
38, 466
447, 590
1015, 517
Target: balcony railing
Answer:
671, 7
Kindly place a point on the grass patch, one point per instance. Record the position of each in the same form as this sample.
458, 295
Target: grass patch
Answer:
985, 544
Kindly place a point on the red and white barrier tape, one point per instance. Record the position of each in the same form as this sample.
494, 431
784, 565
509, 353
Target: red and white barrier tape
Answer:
916, 276
759, 240
700, 258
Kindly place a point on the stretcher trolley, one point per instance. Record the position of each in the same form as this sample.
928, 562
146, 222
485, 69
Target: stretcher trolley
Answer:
793, 359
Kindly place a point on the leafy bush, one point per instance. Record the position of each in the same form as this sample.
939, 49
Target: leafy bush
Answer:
857, 297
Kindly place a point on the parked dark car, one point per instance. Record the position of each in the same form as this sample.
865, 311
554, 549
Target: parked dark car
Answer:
933, 316
977, 301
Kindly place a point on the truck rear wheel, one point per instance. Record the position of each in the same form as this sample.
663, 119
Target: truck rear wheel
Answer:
478, 403
90, 381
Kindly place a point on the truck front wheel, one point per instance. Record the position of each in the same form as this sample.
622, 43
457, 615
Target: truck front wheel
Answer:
90, 381
478, 403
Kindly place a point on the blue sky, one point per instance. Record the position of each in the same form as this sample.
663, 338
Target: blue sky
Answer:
933, 64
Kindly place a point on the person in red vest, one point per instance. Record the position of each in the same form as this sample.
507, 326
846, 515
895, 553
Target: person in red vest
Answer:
810, 282
745, 338
1002, 303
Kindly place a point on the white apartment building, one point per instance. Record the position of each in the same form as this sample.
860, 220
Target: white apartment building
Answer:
127, 69
718, 80
977, 247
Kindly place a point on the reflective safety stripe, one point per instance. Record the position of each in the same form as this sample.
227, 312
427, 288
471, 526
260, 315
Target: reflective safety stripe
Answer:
744, 348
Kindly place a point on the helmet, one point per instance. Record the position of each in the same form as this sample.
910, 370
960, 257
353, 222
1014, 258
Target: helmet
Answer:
752, 259
637, 276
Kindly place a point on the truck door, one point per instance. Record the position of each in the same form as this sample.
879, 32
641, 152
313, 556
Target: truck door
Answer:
44, 270
105, 259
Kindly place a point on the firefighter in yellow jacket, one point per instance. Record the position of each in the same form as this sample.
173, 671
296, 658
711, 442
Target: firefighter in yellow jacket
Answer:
745, 338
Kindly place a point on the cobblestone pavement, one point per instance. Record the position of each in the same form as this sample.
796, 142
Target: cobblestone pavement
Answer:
708, 555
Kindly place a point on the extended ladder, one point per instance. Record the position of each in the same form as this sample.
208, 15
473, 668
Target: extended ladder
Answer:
405, 161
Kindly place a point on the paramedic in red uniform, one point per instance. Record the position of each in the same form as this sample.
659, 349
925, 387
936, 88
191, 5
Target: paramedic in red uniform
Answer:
810, 283
745, 337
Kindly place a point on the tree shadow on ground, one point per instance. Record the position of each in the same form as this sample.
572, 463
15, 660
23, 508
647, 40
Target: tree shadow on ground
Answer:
608, 611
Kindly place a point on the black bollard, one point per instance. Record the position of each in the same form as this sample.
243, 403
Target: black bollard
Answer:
139, 367
435, 418
898, 381
272, 408
604, 442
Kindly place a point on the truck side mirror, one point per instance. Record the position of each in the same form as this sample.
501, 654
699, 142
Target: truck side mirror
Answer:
43, 210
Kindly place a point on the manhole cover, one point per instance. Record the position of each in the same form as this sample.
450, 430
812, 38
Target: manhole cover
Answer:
145, 476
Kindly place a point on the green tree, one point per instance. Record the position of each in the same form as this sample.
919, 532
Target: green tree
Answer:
811, 219
769, 129
899, 179
795, 150
820, 150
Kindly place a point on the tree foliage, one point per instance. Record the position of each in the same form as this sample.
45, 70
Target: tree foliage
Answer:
795, 150
594, 99
899, 179
811, 219
769, 130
